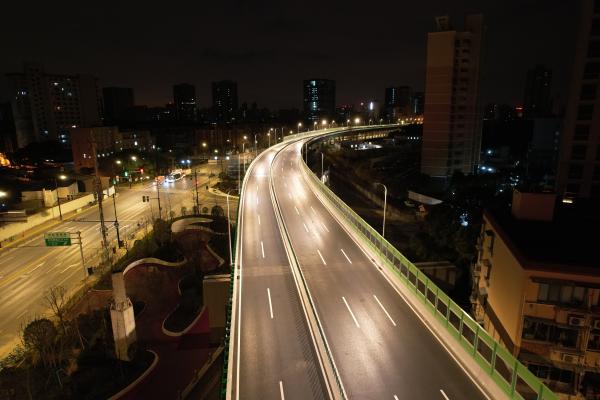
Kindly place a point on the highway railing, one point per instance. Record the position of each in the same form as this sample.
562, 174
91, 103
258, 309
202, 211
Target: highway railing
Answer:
506, 371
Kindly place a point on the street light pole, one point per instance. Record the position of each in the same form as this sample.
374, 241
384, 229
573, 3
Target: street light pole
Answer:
384, 206
116, 218
58, 199
229, 230
322, 166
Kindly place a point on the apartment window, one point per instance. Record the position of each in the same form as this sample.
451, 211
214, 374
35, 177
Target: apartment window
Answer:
588, 91
561, 293
551, 373
596, 175
594, 49
578, 152
575, 171
595, 27
585, 112
594, 342
534, 329
582, 132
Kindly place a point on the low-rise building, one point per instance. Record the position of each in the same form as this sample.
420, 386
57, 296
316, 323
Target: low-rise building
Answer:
536, 289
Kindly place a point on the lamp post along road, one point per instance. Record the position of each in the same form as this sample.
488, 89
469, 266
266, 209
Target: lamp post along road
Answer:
384, 206
321, 166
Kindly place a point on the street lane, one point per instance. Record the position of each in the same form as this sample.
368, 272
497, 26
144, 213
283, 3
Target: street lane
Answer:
376, 358
274, 349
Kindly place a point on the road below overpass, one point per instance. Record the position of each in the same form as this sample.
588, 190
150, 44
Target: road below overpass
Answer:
381, 348
273, 353
28, 269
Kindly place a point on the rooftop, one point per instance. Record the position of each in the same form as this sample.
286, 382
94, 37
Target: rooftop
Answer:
568, 243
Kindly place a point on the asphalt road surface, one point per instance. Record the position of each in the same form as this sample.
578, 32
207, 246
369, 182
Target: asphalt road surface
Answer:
28, 269
274, 356
381, 348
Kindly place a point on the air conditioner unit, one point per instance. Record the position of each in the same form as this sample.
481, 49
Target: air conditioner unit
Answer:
576, 321
597, 324
569, 358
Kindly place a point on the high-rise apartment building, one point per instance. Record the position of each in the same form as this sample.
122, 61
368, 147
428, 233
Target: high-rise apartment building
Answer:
452, 118
184, 97
578, 173
46, 105
117, 100
319, 99
225, 100
537, 101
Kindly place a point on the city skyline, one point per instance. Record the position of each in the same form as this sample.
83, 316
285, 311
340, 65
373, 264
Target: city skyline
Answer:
270, 67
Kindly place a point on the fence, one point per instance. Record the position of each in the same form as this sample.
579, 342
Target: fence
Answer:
508, 373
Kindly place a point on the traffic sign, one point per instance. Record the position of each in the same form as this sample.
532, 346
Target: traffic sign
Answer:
53, 239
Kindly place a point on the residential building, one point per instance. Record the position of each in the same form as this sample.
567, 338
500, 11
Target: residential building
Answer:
46, 105
319, 99
452, 120
225, 101
578, 172
536, 289
117, 102
105, 139
184, 97
418, 103
537, 101
140, 140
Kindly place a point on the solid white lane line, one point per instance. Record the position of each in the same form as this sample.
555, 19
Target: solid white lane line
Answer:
296, 208
68, 268
444, 394
351, 313
324, 227
346, 255
281, 390
384, 310
396, 397
39, 265
305, 227
259, 219
322, 259
262, 248
270, 303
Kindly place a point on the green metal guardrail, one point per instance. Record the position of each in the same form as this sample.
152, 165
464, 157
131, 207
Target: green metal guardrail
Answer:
508, 373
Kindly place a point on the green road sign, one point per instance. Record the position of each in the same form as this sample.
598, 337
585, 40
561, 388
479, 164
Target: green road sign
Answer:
57, 239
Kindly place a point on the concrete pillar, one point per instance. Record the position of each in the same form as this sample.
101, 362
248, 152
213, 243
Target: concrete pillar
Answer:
121, 317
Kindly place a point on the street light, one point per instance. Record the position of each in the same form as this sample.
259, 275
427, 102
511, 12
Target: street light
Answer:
269, 136
356, 121
384, 206
3, 194
299, 126
62, 177
133, 158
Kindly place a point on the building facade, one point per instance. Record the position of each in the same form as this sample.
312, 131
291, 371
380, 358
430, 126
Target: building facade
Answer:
105, 138
537, 101
398, 103
452, 115
536, 289
578, 173
184, 97
46, 105
117, 101
319, 99
225, 101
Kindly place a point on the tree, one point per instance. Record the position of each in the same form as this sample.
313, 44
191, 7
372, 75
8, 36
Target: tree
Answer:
38, 338
56, 299
162, 232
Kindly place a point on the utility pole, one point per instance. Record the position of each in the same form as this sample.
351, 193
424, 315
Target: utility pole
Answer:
196, 187
321, 166
158, 198
100, 195
116, 218
85, 273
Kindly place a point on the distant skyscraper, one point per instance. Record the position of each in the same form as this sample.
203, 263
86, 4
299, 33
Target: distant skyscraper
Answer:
537, 100
225, 100
418, 103
319, 99
578, 171
46, 105
452, 120
117, 100
398, 102
184, 97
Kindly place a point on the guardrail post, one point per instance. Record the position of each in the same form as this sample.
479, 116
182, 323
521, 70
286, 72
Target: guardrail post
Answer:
460, 327
475, 341
513, 384
493, 361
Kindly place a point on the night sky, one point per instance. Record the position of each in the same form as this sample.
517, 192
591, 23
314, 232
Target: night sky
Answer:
270, 46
